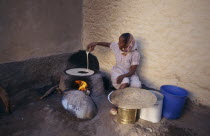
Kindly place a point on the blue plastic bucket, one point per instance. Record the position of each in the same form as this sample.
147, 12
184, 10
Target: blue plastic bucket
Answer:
173, 102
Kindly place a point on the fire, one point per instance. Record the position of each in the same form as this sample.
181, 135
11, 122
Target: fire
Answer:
82, 85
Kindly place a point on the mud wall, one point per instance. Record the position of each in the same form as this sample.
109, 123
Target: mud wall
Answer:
32, 73
173, 39
36, 28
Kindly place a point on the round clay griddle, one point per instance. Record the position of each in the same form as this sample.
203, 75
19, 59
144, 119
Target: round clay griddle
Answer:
79, 72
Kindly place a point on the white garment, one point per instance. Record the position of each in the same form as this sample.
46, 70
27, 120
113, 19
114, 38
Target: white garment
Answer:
123, 64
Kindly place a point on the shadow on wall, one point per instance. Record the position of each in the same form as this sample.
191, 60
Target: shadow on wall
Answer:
145, 82
33, 28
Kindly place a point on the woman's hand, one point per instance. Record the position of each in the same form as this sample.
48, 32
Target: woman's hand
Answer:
91, 46
120, 78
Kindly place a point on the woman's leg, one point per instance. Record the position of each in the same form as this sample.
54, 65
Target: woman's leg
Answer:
122, 86
115, 74
135, 82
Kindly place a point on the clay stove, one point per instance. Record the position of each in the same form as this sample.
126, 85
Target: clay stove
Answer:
80, 103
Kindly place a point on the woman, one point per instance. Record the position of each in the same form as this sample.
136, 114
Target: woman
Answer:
127, 60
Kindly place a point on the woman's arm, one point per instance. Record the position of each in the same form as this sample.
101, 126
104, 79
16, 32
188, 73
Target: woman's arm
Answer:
129, 74
92, 45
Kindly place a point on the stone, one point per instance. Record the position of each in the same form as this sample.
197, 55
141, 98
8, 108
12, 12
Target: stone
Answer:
149, 129
79, 104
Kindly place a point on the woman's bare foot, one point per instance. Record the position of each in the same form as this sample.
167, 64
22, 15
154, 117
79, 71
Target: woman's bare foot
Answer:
113, 111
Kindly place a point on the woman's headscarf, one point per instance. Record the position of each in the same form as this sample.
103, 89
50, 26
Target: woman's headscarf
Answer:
131, 45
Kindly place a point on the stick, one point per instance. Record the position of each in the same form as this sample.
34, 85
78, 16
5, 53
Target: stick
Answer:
49, 91
59, 90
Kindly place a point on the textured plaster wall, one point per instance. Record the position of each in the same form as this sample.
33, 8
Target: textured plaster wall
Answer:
173, 38
34, 28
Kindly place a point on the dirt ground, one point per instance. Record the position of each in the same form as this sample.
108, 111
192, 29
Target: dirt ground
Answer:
34, 117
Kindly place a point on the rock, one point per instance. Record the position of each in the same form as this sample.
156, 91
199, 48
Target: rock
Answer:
79, 104
149, 129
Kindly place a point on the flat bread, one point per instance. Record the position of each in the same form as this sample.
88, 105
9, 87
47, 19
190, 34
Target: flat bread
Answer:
133, 98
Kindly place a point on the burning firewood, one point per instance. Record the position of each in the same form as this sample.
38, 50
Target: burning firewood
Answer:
87, 92
5, 99
50, 91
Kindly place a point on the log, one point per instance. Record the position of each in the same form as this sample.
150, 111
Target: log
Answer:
5, 100
49, 92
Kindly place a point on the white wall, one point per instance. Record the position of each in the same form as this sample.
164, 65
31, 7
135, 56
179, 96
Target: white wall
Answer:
173, 39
